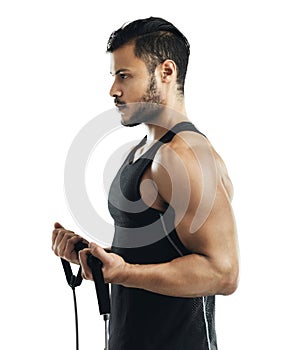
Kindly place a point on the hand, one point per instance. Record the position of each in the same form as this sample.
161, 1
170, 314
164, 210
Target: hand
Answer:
114, 266
63, 242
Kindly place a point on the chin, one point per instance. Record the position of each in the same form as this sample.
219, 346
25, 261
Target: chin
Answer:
129, 123
129, 119
137, 113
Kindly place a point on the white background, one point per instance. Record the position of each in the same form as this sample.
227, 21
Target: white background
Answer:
54, 78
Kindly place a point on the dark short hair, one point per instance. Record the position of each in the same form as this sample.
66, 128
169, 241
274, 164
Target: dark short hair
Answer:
156, 40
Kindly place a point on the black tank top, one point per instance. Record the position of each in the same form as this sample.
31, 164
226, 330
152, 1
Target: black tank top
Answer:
143, 320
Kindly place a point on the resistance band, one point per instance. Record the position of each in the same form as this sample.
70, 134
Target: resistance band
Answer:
102, 288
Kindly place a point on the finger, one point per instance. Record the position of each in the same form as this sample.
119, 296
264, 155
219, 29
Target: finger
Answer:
100, 253
70, 253
57, 237
54, 236
58, 225
85, 269
61, 248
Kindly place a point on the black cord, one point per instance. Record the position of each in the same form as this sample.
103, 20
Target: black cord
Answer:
76, 318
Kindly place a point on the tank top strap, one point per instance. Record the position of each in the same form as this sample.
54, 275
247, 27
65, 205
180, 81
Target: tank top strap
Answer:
168, 136
182, 126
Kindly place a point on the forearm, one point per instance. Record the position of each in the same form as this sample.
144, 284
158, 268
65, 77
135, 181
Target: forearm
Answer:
190, 276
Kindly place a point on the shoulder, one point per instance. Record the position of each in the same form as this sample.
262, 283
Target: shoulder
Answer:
189, 165
187, 150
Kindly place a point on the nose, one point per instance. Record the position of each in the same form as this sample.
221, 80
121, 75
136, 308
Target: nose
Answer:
115, 91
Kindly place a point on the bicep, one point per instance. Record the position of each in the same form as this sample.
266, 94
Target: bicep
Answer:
215, 236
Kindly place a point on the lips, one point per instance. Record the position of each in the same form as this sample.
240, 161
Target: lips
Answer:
120, 106
118, 103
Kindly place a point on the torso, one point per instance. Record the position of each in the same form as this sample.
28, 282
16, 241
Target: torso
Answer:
149, 237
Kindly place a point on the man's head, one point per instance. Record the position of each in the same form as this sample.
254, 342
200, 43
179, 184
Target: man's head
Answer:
148, 54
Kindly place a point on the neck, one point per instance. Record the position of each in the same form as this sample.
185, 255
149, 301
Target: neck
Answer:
165, 121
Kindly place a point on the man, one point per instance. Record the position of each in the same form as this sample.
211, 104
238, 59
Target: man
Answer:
175, 244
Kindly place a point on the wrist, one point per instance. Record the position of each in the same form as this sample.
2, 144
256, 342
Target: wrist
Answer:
123, 277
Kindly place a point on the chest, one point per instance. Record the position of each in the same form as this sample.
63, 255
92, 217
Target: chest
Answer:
135, 183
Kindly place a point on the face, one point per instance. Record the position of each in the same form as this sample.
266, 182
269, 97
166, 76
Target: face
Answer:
136, 92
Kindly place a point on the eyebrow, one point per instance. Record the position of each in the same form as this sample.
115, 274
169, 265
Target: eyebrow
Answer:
119, 71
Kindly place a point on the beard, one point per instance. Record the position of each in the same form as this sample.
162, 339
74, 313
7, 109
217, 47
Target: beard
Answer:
147, 109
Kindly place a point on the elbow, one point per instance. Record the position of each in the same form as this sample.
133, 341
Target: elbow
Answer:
229, 279
230, 285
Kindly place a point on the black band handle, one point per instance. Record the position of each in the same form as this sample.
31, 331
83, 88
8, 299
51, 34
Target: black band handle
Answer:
80, 246
102, 288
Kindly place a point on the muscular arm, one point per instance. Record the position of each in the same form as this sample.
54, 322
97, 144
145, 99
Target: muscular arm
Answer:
211, 269
188, 178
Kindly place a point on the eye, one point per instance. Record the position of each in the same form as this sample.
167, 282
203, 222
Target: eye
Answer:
123, 75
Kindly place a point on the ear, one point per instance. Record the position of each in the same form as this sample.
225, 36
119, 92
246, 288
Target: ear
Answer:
168, 71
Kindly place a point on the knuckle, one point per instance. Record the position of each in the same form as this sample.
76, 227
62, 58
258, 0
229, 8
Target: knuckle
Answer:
74, 239
69, 233
69, 245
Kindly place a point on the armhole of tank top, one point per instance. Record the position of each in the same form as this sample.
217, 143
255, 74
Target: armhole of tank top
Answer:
188, 126
174, 245
166, 138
